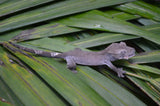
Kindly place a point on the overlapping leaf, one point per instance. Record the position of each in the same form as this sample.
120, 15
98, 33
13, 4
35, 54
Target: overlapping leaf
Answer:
54, 28
87, 87
141, 8
100, 21
54, 11
62, 78
17, 5
7, 94
106, 38
25, 84
147, 88
2, 1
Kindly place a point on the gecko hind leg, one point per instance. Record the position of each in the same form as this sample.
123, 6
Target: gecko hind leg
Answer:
119, 71
71, 64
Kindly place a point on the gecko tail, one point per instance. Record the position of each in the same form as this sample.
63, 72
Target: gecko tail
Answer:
38, 52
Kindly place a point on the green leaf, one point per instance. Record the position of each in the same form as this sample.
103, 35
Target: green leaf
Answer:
56, 44
99, 21
64, 82
18, 5
28, 79
9, 36
146, 22
87, 82
146, 46
145, 68
53, 29
25, 84
121, 15
147, 88
2, 1
106, 38
141, 8
8, 95
153, 28
4, 103
56, 10
147, 57
101, 39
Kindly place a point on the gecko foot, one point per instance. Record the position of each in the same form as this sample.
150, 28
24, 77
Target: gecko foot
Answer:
120, 72
72, 69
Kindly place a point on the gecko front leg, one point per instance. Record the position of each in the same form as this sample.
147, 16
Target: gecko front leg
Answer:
71, 64
119, 71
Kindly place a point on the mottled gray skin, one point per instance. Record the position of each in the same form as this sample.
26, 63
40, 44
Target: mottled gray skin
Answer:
115, 51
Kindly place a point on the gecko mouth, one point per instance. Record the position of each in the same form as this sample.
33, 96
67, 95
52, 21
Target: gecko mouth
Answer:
126, 57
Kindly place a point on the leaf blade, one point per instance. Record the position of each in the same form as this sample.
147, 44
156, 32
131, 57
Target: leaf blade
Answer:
99, 21
23, 81
11, 6
54, 11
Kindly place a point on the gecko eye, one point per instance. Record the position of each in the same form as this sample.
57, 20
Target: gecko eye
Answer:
123, 52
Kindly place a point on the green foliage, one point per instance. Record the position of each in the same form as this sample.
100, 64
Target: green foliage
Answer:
50, 25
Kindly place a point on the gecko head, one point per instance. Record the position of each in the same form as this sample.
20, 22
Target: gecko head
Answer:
121, 51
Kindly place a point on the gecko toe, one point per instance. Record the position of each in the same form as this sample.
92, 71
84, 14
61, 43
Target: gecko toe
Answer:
74, 71
121, 73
